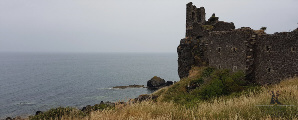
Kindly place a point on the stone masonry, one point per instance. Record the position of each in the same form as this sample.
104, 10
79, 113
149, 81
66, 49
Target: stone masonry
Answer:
264, 58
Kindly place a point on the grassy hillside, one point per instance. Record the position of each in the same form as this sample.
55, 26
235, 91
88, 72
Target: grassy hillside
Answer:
207, 94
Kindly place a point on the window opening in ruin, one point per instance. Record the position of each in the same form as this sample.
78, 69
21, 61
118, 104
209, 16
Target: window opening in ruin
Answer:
219, 49
246, 67
268, 48
234, 49
193, 15
269, 70
293, 49
198, 37
219, 66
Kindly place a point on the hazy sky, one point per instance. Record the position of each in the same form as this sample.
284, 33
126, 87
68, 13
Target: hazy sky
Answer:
125, 25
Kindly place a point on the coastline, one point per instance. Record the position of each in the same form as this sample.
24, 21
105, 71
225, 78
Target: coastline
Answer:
153, 84
52, 80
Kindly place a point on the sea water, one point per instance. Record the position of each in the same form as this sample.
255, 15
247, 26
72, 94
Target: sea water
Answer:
31, 82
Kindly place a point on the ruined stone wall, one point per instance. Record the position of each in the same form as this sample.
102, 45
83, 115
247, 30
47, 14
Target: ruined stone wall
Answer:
189, 48
223, 26
192, 49
201, 15
265, 58
227, 49
276, 57
189, 19
250, 57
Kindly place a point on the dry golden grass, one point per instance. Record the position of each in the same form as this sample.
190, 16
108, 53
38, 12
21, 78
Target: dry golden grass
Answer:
243, 107
248, 105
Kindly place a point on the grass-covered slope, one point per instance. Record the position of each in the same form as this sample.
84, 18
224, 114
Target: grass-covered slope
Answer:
245, 105
209, 94
205, 84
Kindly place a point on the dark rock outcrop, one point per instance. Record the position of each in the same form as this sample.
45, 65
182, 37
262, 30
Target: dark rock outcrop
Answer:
168, 83
8, 118
156, 83
143, 97
87, 109
100, 106
38, 112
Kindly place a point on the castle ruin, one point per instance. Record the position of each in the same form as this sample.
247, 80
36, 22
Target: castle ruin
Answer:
264, 58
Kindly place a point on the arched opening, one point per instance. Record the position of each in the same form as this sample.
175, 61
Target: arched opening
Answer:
293, 49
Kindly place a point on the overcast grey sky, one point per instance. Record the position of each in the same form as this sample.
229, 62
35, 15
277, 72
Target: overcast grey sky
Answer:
125, 25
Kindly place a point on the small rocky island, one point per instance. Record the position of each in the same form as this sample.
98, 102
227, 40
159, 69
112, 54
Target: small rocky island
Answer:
157, 83
152, 84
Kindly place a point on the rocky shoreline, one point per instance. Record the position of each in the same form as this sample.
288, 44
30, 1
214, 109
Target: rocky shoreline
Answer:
154, 83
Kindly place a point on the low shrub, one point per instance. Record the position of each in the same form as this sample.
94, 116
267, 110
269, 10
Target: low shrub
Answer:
210, 83
207, 72
222, 82
207, 27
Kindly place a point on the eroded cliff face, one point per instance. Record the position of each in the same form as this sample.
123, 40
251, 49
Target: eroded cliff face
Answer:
191, 52
185, 57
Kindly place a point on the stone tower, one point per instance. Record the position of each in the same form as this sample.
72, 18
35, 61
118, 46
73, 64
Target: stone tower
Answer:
194, 15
